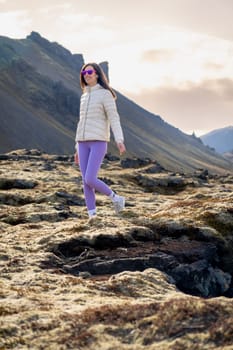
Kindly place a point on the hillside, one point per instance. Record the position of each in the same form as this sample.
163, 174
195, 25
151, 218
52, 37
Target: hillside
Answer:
220, 139
39, 98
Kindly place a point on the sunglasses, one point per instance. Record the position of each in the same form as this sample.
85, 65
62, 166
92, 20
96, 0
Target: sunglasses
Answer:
88, 71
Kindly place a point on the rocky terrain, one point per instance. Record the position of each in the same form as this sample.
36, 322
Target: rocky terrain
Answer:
157, 276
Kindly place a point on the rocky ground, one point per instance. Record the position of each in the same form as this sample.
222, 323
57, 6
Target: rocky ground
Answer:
158, 276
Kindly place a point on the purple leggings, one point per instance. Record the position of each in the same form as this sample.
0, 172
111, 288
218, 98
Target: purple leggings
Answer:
91, 155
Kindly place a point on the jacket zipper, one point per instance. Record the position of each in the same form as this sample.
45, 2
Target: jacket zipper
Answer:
85, 119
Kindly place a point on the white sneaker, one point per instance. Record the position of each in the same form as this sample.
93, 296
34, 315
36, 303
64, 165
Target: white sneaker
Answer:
92, 219
119, 203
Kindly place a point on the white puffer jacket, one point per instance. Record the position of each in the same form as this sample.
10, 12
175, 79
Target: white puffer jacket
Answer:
98, 112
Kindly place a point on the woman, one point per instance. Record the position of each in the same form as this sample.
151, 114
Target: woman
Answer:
98, 113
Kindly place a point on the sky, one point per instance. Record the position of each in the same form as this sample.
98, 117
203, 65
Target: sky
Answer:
172, 57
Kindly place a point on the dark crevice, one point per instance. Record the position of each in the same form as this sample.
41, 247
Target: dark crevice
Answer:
193, 265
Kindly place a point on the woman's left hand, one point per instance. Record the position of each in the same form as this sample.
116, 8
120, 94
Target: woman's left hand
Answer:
121, 147
76, 160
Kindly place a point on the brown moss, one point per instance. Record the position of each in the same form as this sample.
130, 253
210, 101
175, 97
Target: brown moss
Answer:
44, 310
214, 221
194, 203
222, 331
178, 318
116, 314
80, 325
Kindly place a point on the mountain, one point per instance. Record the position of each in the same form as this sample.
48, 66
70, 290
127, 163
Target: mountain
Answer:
39, 99
220, 139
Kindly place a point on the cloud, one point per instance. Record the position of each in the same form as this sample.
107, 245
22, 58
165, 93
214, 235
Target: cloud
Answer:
14, 24
153, 56
78, 31
212, 17
29, 5
213, 66
200, 108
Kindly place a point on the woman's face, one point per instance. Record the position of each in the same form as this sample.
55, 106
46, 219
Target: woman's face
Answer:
90, 76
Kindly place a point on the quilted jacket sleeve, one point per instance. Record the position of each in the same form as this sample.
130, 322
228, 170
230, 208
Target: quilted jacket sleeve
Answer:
113, 116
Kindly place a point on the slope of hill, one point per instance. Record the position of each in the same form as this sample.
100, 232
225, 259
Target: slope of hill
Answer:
220, 139
39, 98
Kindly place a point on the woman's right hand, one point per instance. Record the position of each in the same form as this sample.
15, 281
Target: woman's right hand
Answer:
76, 161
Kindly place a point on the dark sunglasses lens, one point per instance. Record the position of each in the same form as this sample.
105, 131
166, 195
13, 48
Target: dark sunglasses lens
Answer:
89, 72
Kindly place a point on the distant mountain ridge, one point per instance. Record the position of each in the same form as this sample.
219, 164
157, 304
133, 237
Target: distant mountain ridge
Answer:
39, 98
220, 139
